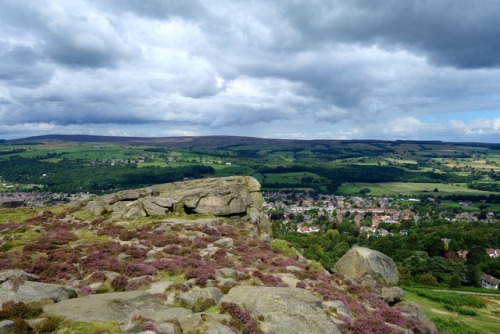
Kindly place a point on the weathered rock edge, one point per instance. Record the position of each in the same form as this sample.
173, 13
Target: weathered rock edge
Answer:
221, 197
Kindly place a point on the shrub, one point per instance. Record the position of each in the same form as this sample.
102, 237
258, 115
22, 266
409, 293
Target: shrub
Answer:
301, 285
427, 279
119, 283
11, 310
22, 327
202, 274
241, 319
268, 280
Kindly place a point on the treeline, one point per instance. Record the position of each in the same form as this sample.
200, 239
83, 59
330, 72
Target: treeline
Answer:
76, 175
422, 255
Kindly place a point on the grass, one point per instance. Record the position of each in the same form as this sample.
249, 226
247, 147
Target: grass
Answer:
67, 327
409, 189
487, 320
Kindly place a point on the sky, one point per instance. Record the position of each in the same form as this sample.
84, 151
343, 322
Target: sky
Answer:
301, 69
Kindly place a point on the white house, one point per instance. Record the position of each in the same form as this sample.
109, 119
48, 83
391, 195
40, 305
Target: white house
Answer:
489, 282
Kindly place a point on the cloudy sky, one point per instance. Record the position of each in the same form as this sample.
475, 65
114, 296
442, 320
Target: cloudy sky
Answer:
338, 69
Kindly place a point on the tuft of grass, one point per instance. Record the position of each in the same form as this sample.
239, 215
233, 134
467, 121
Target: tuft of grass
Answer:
164, 276
284, 246
69, 327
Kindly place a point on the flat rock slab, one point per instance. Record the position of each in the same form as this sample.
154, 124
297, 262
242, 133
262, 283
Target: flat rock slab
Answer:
29, 291
283, 310
117, 307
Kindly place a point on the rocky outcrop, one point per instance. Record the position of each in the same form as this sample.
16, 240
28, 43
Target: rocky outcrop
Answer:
359, 262
283, 310
215, 196
19, 286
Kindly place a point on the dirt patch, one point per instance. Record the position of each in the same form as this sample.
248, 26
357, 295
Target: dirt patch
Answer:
441, 312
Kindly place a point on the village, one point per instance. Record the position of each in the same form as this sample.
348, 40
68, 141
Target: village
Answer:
376, 217
306, 212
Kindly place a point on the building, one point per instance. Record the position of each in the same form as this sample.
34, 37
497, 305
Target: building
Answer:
489, 282
493, 253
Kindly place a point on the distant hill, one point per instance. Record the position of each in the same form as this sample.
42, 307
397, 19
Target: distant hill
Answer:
216, 141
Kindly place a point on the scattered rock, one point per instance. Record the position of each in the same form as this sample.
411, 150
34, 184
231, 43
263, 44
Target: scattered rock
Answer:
283, 310
360, 261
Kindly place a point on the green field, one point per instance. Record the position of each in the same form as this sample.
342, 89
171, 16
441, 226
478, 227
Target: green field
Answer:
486, 322
409, 189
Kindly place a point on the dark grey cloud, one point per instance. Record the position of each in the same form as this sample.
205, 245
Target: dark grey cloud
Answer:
458, 33
316, 68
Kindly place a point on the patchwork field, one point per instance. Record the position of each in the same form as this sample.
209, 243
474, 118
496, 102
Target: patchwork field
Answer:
409, 189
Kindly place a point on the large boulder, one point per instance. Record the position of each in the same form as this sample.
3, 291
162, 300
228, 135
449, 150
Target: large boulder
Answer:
283, 310
359, 262
226, 196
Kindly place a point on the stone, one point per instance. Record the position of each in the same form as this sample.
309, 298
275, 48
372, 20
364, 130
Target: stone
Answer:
29, 291
225, 243
294, 269
117, 307
413, 310
16, 274
338, 307
168, 328
226, 273
283, 310
197, 296
170, 315
226, 284
393, 294
6, 326
159, 287
203, 323
360, 261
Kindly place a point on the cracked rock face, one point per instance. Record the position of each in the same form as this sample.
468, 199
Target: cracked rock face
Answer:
228, 196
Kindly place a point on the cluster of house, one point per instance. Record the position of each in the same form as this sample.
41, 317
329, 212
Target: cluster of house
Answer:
16, 199
336, 207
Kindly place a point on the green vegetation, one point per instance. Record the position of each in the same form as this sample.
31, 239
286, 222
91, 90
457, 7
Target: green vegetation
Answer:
410, 189
95, 164
457, 313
